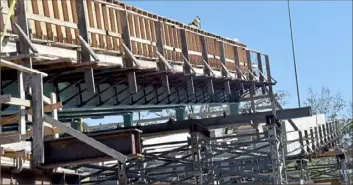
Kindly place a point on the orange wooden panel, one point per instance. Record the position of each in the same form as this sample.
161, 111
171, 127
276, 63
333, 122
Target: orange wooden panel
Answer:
230, 66
66, 18
94, 42
74, 19
106, 26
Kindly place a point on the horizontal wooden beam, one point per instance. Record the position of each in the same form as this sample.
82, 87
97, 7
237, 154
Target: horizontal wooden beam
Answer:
12, 65
48, 131
15, 138
16, 117
7, 99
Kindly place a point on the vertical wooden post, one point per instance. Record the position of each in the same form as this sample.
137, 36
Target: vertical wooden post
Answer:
237, 62
54, 113
224, 73
269, 79
320, 135
317, 137
313, 143
123, 17
22, 46
332, 136
85, 54
38, 128
21, 93
209, 81
324, 133
187, 70
262, 78
252, 88
306, 135
160, 47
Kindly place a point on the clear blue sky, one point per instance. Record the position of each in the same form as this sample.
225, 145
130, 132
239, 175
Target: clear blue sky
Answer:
322, 33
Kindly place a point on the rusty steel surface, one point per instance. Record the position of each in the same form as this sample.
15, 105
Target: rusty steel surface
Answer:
68, 150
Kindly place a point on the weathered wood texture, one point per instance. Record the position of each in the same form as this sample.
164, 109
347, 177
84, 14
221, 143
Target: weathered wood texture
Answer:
57, 21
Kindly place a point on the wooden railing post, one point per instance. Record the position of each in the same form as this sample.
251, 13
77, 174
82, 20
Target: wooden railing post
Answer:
325, 133
224, 72
251, 78
262, 78
81, 9
187, 70
318, 145
160, 47
54, 113
321, 136
307, 141
237, 62
209, 81
38, 128
123, 17
24, 81
313, 143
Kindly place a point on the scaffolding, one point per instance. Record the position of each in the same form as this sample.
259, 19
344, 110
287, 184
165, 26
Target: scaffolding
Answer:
145, 62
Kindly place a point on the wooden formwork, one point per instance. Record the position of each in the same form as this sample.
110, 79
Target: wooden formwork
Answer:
57, 21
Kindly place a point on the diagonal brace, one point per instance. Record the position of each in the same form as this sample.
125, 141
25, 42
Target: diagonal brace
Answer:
88, 140
26, 38
86, 46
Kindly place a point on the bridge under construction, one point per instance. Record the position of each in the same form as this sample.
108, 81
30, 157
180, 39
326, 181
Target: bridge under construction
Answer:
62, 61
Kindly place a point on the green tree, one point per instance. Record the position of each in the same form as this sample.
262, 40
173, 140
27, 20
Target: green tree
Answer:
332, 105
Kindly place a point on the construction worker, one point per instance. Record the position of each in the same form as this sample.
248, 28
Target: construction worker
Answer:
196, 22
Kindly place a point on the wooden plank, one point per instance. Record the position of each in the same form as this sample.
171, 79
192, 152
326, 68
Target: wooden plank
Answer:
98, 19
16, 117
49, 34
47, 131
89, 11
59, 33
138, 34
19, 102
5, 98
11, 65
10, 139
38, 128
106, 26
68, 37
89, 141
74, 18
38, 29
114, 26
144, 36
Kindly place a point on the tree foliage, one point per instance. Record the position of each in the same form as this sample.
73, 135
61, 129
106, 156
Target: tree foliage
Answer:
325, 102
